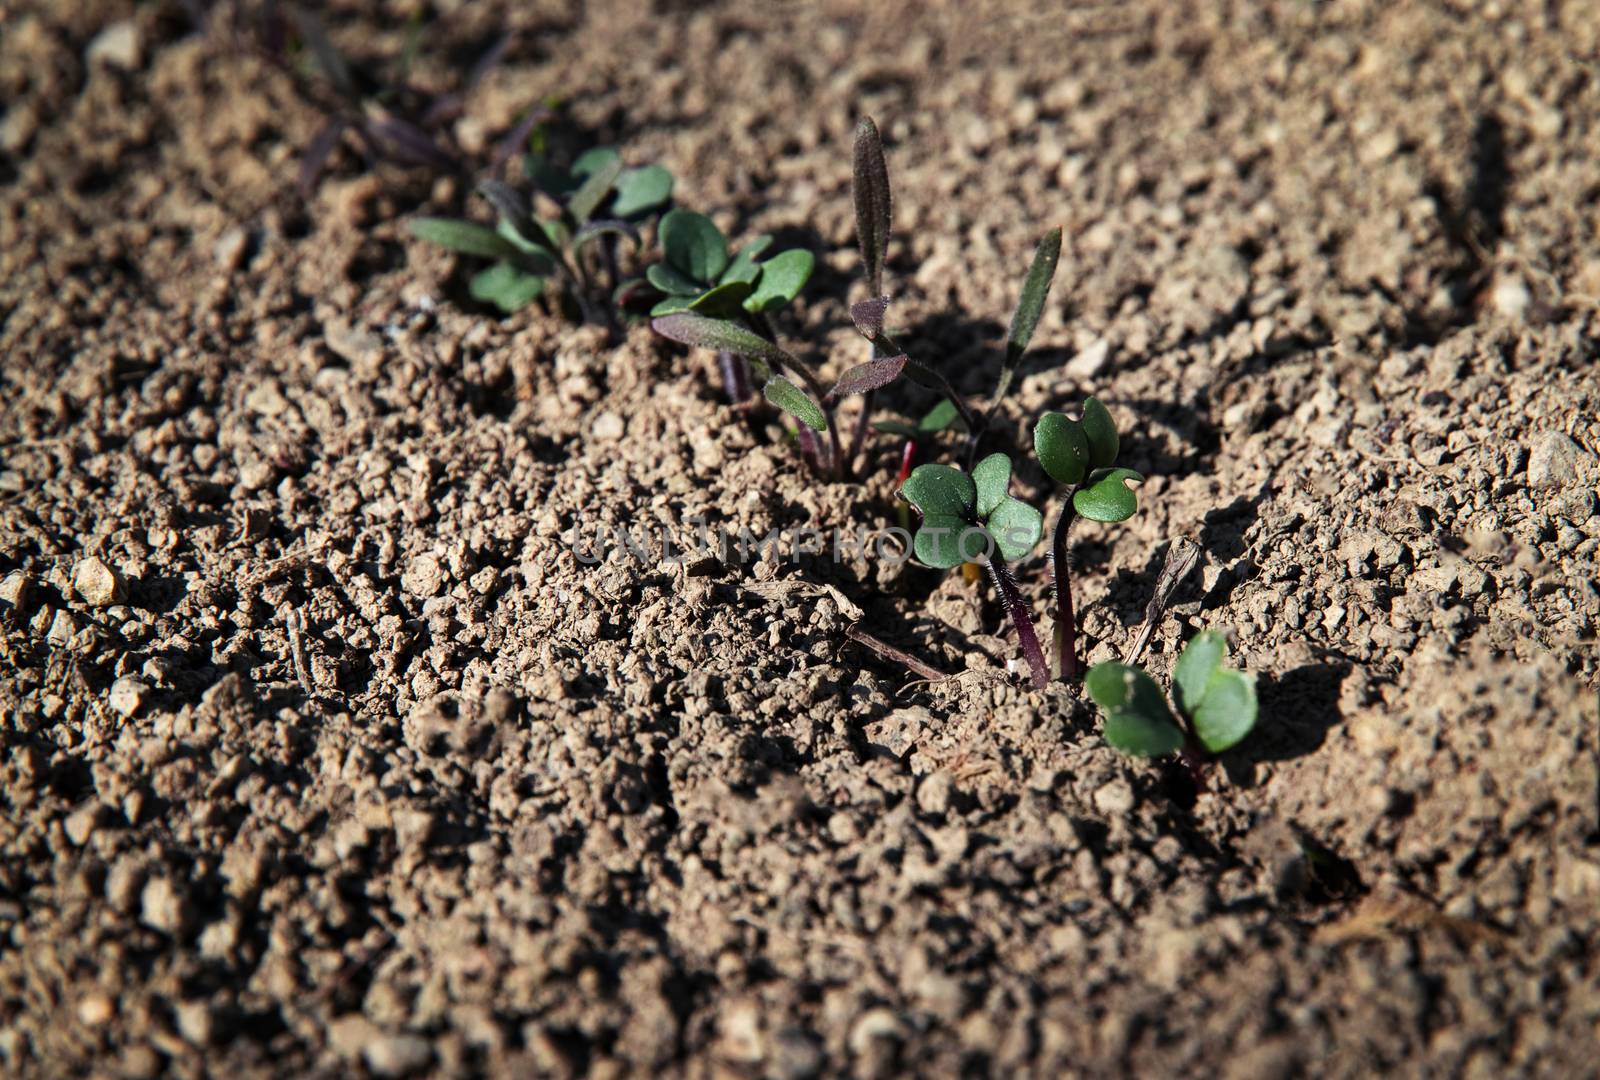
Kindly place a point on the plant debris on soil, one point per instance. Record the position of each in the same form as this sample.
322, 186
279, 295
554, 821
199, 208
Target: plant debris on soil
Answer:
327, 752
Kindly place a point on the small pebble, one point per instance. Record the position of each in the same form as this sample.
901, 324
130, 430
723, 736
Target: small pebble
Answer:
96, 1010
423, 577
163, 907
1554, 460
82, 822
118, 46
97, 583
397, 1055
127, 696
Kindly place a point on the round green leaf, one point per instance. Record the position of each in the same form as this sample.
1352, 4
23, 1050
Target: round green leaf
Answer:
939, 489
506, 287
465, 237
1201, 659
594, 160
1227, 711
1107, 496
943, 415
1102, 433
1137, 720
1016, 528
948, 540
1062, 448
671, 282
642, 190
992, 476
724, 301
796, 402
744, 266
694, 245
782, 278
672, 305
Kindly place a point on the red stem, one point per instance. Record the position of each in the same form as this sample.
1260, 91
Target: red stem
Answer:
1011, 596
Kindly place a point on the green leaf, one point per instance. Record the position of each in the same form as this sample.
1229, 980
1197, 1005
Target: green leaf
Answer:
1107, 497
724, 301
796, 402
560, 236
506, 287
870, 184
1062, 448
1137, 720
706, 333
672, 305
941, 416
594, 189
948, 540
1227, 711
1016, 528
992, 476
1034, 290
895, 427
465, 237
1101, 431
782, 278
595, 160
642, 190
939, 489
744, 266
1200, 659
694, 245
671, 282
541, 258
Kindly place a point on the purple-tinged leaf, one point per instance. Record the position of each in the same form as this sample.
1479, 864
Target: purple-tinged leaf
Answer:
605, 227
869, 376
871, 187
409, 143
868, 316
489, 60
705, 333
517, 138
316, 155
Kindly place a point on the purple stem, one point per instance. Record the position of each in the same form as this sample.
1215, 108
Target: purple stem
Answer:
1011, 596
859, 438
809, 448
1066, 631
735, 377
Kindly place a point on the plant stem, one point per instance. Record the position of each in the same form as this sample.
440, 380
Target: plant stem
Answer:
735, 377
1011, 596
908, 460
859, 438
809, 450
1066, 629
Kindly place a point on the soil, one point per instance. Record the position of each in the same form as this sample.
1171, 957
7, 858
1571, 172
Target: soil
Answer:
326, 754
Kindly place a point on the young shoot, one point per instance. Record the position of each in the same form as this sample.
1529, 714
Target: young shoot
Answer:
1080, 454
971, 517
1216, 706
597, 203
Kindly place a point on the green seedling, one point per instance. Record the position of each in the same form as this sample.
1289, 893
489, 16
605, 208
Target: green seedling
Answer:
699, 274
972, 517
1216, 706
597, 204
1080, 454
726, 318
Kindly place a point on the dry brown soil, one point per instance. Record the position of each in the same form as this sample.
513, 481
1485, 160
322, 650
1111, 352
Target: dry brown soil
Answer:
1333, 266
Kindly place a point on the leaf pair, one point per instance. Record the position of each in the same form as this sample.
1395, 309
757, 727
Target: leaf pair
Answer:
1079, 453
700, 274
1218, 703
966, 518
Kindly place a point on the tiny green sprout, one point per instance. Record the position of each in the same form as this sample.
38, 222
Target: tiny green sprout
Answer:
1080, 454
1216, 706
598, 204
972, 517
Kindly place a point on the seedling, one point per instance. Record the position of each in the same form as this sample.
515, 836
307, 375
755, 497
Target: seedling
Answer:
699, 274
1216, 706
597, 203
1080, 454
973, 518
